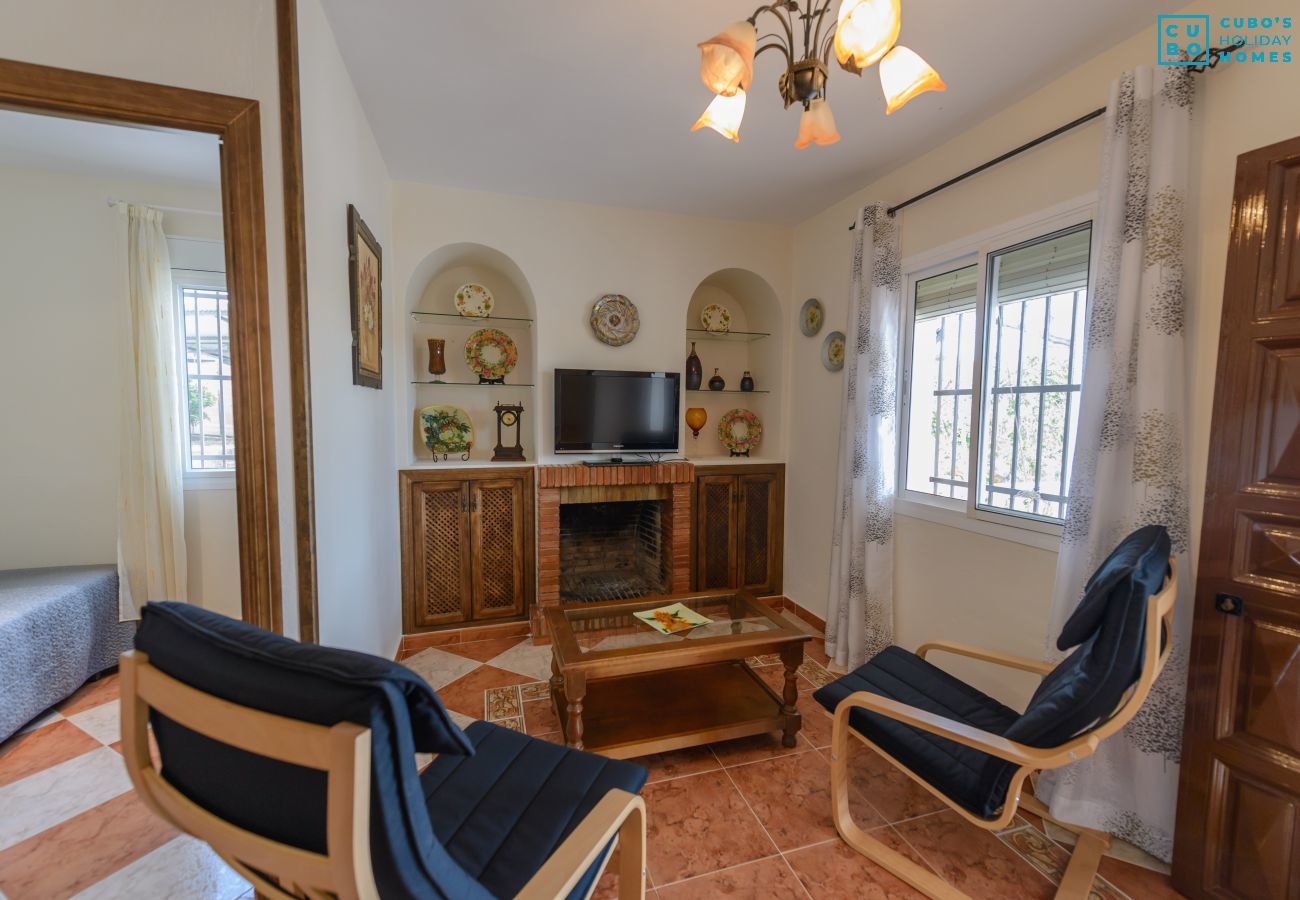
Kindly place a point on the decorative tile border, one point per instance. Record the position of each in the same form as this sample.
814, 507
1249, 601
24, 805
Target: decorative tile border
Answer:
502, 703
769, 659
1049, 858
538, 690
815, 672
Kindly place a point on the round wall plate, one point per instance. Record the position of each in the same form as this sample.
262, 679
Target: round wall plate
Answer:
474, 301
811, 317
833, 351
614, 319
716, 318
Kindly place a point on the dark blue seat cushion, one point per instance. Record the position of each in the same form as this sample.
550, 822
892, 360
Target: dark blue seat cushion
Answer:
502, 812
1107, 627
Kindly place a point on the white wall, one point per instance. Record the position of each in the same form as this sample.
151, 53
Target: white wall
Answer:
228, 48
61, 309
952, 583
357, 558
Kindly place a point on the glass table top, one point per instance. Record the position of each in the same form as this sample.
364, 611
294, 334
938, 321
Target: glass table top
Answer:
602, 627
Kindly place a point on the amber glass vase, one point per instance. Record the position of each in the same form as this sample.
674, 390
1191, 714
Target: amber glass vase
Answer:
437, 357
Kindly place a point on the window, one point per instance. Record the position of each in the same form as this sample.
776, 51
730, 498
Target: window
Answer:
997, 351
203, 307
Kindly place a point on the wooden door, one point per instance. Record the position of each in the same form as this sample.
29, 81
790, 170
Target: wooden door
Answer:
497, 539
439, 568
1238, 832
715, 531
760, 524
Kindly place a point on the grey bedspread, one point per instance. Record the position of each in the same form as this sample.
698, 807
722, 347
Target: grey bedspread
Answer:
58, 627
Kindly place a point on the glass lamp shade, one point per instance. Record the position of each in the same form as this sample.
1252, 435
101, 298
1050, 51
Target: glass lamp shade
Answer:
816, 125
865, 30
727, 59
903, 75
695, 419
724, 115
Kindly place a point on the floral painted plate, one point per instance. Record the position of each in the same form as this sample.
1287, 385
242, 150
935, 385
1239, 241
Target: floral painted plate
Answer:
614, 319
811, 317
833, 351
474, 301
491, 354
447, 429
716, 318
740, 431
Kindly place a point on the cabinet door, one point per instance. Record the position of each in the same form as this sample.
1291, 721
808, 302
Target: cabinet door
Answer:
441, 554
497, 527
759, 522
715, 532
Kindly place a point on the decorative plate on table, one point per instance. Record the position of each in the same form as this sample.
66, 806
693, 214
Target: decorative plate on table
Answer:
614, 319
490, 354
811, 317
833, 351
740, 431
716, 318
446, 429
474, 301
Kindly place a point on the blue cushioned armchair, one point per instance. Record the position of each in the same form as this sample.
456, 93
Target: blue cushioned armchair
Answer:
296, 763
974, 753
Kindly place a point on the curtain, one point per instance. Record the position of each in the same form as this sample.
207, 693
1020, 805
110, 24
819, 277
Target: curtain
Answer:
860, 619
1130, 466
151, 504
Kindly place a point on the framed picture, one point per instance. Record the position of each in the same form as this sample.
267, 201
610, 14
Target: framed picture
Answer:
364, 275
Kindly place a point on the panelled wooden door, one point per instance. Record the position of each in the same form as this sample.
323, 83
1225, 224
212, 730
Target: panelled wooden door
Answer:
759, 518
497, 547
740, 528
1238, 826
442, 571
715, 531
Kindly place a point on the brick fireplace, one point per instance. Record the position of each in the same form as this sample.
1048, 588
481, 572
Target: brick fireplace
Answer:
612, 531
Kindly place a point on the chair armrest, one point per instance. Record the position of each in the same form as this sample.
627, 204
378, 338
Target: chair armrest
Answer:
1038, 667
618, 811
970, 736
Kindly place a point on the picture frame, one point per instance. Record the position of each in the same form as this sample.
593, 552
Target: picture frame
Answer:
365, 290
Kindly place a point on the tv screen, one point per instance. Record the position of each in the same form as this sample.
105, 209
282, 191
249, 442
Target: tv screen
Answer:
612, 412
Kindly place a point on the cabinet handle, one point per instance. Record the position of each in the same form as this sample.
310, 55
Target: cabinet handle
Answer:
473, 502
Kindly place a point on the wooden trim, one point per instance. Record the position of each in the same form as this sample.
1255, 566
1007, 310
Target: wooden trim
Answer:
236, 121
295, 251
812, 619
617, 812
1038, 667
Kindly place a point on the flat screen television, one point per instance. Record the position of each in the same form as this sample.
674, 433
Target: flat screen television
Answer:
616, 412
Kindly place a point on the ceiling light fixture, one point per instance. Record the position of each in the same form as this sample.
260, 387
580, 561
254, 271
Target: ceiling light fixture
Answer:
864, 32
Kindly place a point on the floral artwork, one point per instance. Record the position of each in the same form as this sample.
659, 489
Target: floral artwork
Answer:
740, 431
447, 429
491, 354
474, 301
365, 276
716, 319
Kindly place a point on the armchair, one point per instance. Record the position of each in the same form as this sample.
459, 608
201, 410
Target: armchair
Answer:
974, 753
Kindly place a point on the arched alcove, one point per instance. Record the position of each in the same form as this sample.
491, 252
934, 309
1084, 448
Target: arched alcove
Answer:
752, 343
431, 313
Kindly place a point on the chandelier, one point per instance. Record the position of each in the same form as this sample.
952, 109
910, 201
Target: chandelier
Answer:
864, 32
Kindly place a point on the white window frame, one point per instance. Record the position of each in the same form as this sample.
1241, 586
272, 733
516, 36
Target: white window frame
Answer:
195, 479
975, 249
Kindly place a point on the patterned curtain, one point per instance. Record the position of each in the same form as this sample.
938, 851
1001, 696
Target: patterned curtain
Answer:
860, 620
1130, 468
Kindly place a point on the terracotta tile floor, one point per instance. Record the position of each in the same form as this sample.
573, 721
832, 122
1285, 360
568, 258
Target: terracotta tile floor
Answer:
744, 818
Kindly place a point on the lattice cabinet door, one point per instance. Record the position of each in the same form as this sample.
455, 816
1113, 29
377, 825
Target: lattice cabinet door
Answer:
760, 526
441, 554
498, 532
715, 531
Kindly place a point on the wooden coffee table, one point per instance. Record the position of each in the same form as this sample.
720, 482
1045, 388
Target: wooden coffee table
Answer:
623, 689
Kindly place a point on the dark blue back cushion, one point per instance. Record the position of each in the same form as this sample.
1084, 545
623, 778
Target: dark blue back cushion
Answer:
246, 665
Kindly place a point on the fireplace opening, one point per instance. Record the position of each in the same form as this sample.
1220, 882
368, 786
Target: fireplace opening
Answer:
613, 551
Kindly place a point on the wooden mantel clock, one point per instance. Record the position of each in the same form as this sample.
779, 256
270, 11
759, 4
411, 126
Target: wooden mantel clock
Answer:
508, 416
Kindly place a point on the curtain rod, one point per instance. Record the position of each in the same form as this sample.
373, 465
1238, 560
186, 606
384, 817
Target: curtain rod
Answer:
114, 201
1207, 60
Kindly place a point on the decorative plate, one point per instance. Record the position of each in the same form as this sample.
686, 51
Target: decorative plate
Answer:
833, 351
614, 319
716, 318
811, 317
490, 354
446, 429
474, 301
740, 431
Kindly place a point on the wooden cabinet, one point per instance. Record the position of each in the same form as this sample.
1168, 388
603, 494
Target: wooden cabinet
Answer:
739, 527
467, 546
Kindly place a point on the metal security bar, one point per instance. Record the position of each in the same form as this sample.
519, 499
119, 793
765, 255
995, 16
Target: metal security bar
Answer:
950, 342
205, 327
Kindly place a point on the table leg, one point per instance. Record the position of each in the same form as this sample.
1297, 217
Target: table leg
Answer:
792, 658
575, 689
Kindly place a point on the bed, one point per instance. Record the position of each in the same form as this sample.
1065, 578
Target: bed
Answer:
58, 627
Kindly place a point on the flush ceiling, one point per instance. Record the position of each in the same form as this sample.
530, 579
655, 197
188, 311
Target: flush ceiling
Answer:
592, 100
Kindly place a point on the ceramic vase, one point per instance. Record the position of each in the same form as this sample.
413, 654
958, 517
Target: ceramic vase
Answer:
437, 356
747, 382
696, 417
694, 370
717, 382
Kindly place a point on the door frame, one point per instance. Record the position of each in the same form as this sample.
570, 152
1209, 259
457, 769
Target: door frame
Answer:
236, 123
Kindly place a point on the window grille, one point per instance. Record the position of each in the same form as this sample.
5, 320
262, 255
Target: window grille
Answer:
204, 313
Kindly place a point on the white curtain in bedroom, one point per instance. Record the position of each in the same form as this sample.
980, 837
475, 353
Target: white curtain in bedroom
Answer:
1130, 464
151, 505
860, 622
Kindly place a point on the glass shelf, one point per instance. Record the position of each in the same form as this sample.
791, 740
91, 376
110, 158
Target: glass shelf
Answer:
513, 384
725, 391
700, 334
471, 321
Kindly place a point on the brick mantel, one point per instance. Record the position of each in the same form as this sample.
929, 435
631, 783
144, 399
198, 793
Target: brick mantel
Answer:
579, 483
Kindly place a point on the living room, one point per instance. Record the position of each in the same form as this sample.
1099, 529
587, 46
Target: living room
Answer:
684, 454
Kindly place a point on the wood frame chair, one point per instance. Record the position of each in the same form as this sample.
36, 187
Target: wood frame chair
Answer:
342, 751
1091, 845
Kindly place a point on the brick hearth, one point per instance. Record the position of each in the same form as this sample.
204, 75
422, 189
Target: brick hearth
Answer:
599, 484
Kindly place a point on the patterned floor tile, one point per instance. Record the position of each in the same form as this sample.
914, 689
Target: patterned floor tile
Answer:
679, 763
102, 722
973, 859
816, 673
182, 869
502, 703
28, 753
482, 651
438, 667
835, 871
537, 690
771, 879
52, 795
465, 694
525, 658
